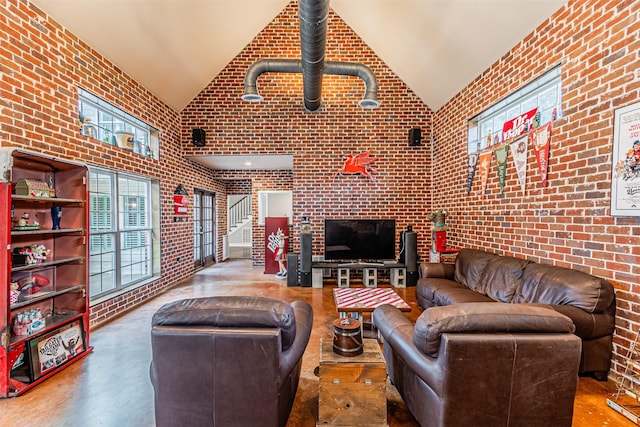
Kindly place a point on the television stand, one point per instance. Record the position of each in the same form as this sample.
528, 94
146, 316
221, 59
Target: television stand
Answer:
361, 264
369, 273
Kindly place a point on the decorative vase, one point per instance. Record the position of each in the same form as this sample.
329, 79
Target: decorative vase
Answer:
56, 214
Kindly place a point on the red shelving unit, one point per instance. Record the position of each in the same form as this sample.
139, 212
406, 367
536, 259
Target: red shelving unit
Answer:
48, 294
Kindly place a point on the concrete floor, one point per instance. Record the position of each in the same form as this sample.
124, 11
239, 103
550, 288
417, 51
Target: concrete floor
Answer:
111, 386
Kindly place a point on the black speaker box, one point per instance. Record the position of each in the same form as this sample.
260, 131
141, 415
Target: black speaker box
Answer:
411, 246
415, 135
197, 136
305, 279
409, 250
306, 252
292, 269
412, 278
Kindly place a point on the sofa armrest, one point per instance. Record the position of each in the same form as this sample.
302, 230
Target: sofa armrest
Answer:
304, 322
485, 318
437, 269
397, 332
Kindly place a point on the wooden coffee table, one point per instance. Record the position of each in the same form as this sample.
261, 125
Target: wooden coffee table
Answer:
356, 301
353, 390
353, 302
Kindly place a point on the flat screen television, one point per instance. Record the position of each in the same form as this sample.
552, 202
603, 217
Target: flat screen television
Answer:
359, 239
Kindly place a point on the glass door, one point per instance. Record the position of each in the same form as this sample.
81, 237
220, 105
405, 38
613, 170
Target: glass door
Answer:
203, 228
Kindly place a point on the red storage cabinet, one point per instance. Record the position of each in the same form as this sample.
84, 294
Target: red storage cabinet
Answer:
44, 277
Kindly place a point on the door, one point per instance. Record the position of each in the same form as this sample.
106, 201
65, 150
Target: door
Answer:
203, 228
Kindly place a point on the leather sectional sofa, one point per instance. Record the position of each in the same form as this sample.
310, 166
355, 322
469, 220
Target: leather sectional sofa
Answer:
483, 364
479, 276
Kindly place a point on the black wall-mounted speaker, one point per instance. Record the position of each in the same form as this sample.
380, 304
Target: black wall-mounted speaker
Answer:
197, 136
415, 135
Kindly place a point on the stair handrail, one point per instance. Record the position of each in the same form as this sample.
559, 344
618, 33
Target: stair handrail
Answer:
239, 211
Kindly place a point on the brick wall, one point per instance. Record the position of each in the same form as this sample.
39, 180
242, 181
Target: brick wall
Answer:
568, 222
320, 140
41, 67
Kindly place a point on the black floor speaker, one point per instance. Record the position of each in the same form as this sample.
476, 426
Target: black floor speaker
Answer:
412, 278
306, 252
410, 256
305, 279
292, 269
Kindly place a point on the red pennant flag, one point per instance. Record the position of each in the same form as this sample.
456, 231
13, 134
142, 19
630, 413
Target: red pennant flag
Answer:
541, 138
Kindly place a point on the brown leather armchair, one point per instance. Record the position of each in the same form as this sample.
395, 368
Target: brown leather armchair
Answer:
483, 364
227, 361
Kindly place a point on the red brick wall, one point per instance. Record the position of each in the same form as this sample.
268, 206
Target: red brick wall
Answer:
319, 140
41, 67
568, 222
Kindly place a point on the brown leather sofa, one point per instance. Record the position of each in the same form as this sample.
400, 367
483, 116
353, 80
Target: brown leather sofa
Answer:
227, 361
483, 364
479, 276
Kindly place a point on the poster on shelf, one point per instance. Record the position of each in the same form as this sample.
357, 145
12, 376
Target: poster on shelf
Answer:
625, 173
519, 151
501, 153
55, 348
541, 139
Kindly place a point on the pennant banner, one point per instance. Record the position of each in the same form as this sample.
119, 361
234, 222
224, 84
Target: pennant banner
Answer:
501, 153
485, 162
519, 153
471, 170
541, 138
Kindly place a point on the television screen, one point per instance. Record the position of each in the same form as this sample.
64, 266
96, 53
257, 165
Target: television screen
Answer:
360, 239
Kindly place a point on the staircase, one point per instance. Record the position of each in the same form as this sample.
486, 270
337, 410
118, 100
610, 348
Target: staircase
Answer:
239, 232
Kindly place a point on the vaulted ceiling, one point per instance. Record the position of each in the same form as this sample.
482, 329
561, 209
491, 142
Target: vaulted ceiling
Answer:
176, 47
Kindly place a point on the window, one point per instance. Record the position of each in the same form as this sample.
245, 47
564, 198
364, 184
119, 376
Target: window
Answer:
123, 225
545, 93
107, 123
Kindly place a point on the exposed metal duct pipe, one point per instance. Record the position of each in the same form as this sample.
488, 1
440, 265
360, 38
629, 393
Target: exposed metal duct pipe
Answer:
251, 94
370, 99
313, 15
266, 66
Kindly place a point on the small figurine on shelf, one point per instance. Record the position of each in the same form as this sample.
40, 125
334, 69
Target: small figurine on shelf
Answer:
56, 215
24, 220
39, 253
438, 218
35, 254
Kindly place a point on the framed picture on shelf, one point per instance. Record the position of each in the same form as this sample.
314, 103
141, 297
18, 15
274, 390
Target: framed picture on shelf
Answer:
625, 168
56, 348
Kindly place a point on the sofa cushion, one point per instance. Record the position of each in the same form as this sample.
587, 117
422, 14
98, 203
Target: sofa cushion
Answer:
427, 288
470, 263
547, 284
230, 311
454, 295
501, 277
485, 318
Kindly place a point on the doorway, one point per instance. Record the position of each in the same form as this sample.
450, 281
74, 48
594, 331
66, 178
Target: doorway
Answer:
203, 228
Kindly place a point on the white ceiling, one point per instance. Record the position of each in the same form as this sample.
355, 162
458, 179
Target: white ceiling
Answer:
176, 47
238, 162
